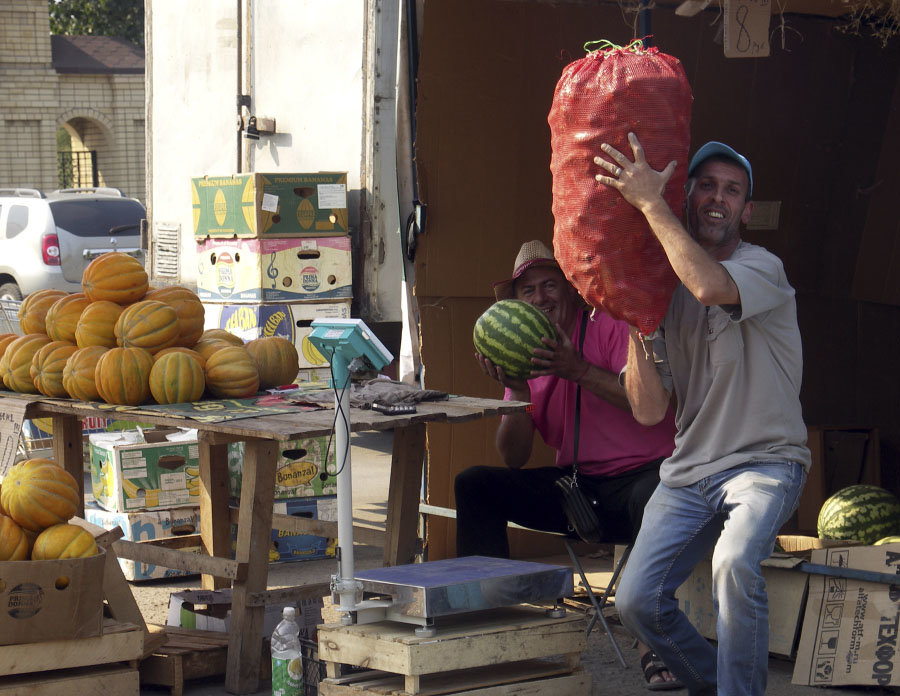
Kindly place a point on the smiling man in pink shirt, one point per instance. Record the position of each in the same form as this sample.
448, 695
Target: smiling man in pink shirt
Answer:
618, 459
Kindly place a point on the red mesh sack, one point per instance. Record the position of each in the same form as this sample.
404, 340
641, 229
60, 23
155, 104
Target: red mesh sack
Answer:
602, 243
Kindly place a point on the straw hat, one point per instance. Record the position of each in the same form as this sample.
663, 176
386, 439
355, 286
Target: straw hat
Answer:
532, 254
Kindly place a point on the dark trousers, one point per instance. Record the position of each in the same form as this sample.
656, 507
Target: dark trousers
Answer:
488, 497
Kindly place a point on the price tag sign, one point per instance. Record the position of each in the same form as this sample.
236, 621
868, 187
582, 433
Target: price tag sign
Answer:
747, 28
11, 418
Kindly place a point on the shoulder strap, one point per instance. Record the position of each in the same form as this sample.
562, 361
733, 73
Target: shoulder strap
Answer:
584, 319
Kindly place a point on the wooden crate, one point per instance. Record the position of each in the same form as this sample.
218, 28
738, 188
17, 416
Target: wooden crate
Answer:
86, 666
528, 678
81, 681
514, 637
189, 654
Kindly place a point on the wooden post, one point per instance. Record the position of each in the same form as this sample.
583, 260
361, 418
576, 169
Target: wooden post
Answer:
215, 525
68, 450
253, 539
403, 495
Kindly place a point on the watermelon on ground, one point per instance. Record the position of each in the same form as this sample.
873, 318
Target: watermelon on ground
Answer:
863, 512
507, 334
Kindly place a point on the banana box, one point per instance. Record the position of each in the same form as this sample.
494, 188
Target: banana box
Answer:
151, 475
274, 270
291, 546
270, 205
305, 468
290, 321
148, 526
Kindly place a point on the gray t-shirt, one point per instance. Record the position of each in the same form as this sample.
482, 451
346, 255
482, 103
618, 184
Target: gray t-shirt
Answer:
736, 371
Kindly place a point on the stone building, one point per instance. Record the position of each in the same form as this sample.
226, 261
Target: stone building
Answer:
91, 87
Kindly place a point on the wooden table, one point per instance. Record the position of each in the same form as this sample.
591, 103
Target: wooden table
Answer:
248, 572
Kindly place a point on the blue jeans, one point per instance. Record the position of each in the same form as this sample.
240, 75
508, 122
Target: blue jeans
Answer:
737, 513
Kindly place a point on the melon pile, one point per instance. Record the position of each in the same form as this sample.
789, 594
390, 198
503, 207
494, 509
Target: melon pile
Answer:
37, 500
122, 342
865, 513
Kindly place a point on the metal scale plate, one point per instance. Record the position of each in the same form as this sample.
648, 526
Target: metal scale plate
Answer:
473, 583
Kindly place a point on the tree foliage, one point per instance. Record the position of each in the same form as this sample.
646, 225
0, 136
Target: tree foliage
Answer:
123, 18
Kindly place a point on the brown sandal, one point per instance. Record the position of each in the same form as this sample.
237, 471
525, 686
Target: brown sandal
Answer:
652, 666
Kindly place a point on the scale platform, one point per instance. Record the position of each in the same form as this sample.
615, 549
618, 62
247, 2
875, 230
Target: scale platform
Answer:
473, 583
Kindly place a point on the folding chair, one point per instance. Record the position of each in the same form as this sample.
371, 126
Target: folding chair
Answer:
599, 604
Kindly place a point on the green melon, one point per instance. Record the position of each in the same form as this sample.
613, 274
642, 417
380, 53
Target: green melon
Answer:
862, 512
507, 334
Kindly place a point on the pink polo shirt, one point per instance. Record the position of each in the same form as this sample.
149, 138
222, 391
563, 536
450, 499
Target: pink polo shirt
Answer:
611, 442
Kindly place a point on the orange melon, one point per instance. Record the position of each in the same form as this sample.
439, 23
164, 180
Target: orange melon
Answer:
37, 493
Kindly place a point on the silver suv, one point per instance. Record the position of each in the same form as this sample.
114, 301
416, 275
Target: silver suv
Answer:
47, 240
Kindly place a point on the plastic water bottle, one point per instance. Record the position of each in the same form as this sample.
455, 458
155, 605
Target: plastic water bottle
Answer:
287, 663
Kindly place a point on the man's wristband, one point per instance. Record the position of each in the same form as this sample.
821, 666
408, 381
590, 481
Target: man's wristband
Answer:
646, 344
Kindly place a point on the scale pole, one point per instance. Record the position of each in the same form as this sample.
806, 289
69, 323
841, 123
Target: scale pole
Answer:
346, 584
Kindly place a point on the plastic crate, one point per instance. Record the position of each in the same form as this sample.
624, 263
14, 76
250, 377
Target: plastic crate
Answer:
9, 316
313, 669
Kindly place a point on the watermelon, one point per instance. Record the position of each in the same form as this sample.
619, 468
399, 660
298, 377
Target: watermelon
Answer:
507, 334
862, 512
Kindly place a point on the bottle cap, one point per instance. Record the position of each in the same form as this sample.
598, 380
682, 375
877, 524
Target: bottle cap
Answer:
289, 613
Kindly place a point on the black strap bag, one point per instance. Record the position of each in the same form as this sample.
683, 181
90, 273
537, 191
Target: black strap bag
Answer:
576, 501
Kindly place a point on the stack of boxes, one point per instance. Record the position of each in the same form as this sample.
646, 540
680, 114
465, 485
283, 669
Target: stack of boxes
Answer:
305, 486
147, 485
273, 254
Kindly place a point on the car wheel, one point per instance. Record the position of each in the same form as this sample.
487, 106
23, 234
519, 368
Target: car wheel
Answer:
10, 291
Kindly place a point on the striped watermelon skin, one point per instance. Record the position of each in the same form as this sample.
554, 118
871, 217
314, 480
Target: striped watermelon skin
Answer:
863, 512
507, 334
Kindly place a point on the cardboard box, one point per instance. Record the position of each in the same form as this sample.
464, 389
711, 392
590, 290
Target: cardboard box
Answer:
147, 526
298, 470
51, 600
185, 611
805, 545
274, 270
851, 627
216, 614
290, 321
270, 205
155, 475
786, 588
288, 546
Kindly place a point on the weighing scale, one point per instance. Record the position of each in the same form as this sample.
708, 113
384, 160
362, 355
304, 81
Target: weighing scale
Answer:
417, 593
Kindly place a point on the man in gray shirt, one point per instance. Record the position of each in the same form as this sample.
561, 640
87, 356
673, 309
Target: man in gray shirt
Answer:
728, 351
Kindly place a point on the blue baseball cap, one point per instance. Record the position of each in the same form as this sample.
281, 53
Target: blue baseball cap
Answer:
714, 148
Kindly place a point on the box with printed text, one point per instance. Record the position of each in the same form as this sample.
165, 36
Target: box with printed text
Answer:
270, 205
274, 270
148, 525
305, 468
295, 546
152, 475
851, 630
59, 599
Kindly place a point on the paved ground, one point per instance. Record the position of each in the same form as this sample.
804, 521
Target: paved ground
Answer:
371, 465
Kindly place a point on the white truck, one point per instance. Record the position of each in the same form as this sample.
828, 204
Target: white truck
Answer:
285, 86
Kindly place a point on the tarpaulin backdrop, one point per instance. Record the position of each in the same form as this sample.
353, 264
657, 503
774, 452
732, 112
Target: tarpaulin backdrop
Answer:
602, 243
